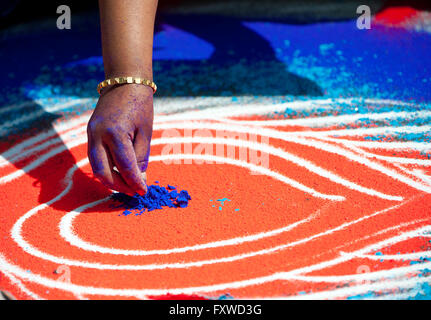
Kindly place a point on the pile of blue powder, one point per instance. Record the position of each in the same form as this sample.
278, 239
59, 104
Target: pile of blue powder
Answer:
156, 198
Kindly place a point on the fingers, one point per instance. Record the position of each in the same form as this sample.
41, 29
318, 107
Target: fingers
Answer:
141, 145
123, 155
103, 168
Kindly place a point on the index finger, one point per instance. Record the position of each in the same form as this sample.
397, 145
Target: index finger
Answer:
124, 157
103, 168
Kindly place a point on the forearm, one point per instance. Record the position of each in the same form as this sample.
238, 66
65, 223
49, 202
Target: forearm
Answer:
120, 128
127, 37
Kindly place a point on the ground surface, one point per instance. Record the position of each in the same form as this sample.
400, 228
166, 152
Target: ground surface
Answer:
321, 190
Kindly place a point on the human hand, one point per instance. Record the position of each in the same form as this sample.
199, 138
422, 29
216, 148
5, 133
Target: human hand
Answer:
119, 134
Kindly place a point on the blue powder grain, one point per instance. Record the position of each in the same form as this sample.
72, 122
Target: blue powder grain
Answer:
222, 201
368, 295
156, 198
226, 296
424, 292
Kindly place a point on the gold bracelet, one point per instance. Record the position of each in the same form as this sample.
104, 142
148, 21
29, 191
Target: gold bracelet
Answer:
123, 80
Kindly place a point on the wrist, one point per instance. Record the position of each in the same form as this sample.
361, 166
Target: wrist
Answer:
130, 71
129, 88
126, 80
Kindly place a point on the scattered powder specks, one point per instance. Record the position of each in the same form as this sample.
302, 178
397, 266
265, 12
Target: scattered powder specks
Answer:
222, 201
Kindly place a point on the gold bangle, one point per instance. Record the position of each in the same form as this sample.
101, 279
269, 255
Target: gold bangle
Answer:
123, 80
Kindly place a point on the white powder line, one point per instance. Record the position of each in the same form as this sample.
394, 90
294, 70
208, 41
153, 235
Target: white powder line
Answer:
273, 174
221, 287
21, 286
234, 110
385, 243
396, 145
405, 256
176, 103
390, 295
50, 105
65, 138
265, 104
300, 140
175, 106
68, 233
252, 167
316, 134
6, 265
15, 107
6, 127
303, 103
387, 102
391, 159
284, 155
402, 237
389, 286
331, 120
370, 164
398, 162
359, 132
47, 104
289, 157
58, 130
419, 174
422, 175
16, 230
316, 144
179, 103
39, 161
381, 232
369, 276
78, 289
188, 105
27, 247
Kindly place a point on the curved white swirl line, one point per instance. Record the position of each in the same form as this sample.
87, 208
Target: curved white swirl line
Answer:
211, 288
327, 120
16, 235
21, 286
67, 232
300, 140
57, 197
308, 165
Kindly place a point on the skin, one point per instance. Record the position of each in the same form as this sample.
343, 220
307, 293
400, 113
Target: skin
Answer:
120, 128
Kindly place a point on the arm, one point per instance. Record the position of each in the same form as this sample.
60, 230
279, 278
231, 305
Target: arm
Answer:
120, 129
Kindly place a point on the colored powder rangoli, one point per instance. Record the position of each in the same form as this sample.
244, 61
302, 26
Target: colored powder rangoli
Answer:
156, 198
